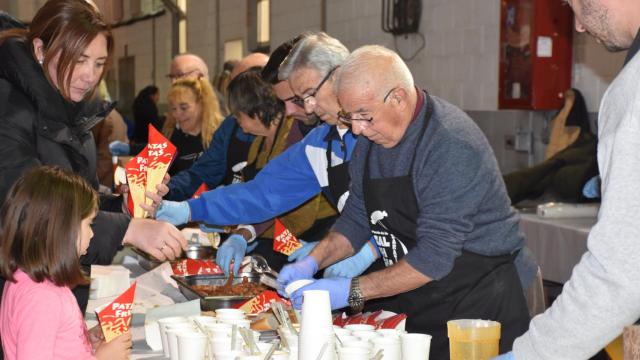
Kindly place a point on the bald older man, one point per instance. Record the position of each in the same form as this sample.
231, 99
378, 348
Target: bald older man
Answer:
187, 65
425, 183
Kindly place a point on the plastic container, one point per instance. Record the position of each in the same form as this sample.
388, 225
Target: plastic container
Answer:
473, 339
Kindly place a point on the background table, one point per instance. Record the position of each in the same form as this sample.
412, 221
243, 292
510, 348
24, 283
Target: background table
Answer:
557, 243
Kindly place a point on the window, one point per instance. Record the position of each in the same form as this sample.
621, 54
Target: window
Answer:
232, 50
258, 34
262, 22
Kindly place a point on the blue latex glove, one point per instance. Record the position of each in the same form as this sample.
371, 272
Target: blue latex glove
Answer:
591, 188
338, 292
507, 356
303, 251
118, 148
176, 213
302, 269
231, 249
352, 266
251, 247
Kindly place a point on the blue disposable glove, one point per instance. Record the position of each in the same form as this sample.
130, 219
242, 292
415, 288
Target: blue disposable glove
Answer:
338, 289
354, 265
591, 188
231, 249
507, 356
252, 246
173, 212
118, 148
303, 251
303, 269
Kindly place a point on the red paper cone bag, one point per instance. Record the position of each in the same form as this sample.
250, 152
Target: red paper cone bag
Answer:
136, 170
160, 153
115, 318
284, 241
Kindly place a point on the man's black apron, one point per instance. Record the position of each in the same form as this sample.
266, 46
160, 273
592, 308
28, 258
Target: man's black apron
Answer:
237, 152
478, 287
338, 176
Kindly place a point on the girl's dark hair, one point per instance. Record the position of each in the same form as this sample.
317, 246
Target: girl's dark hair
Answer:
250, 94
40, 222
66, 27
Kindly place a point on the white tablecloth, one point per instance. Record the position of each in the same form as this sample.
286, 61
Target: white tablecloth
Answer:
557, 243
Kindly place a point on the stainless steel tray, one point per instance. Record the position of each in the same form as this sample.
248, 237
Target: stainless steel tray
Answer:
201, 252
210, 303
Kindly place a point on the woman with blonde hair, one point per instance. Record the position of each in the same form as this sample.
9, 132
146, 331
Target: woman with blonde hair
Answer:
194, 115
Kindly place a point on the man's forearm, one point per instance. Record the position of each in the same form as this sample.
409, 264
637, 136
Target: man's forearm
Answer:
393, 280
333, 248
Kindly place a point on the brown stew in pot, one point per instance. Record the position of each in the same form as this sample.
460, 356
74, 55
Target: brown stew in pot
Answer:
245, 288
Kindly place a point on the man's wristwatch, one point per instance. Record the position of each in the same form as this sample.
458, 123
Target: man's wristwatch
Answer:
356, 299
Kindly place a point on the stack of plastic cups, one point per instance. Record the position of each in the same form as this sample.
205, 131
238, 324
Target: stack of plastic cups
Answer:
192, 345
391, 347
162, 324
220, 339
173, 330
316, 328
415, 346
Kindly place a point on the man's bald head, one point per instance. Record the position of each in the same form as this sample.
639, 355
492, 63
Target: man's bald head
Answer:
249, 61
184, 65
361, 71
376, 94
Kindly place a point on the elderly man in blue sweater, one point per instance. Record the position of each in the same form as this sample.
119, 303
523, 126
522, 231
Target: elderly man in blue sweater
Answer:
425, 183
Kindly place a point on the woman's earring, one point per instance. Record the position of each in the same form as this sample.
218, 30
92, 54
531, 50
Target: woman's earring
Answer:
40, 61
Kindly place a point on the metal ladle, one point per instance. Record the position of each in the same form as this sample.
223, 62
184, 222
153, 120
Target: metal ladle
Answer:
268, 276
260, 265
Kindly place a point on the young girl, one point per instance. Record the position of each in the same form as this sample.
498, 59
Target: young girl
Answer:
46, 226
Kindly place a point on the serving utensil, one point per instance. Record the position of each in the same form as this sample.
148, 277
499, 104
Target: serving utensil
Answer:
261, 265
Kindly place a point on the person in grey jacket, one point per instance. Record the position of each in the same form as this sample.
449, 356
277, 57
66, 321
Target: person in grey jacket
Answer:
603, 294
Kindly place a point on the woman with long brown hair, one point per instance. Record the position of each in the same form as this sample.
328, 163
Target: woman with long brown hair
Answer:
48, 74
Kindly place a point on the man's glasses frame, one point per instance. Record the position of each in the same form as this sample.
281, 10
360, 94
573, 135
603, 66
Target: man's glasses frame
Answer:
310, 97
347, 117
174, 77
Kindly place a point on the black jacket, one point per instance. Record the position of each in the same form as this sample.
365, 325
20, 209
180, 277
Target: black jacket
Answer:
38, 127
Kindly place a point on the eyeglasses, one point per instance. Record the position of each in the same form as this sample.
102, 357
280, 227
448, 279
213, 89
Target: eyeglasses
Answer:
310, 99
174, 77
349, 118
296, 100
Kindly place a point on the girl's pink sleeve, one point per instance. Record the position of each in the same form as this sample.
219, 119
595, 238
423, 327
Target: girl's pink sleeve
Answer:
39, 315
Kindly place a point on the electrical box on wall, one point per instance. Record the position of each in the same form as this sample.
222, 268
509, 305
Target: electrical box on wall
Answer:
535, 54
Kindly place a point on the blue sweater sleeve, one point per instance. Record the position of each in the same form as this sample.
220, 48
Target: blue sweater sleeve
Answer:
284, 183
210, 168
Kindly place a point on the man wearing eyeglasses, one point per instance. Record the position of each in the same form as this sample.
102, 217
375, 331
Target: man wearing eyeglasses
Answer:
187, 65
318, 163
425, 183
